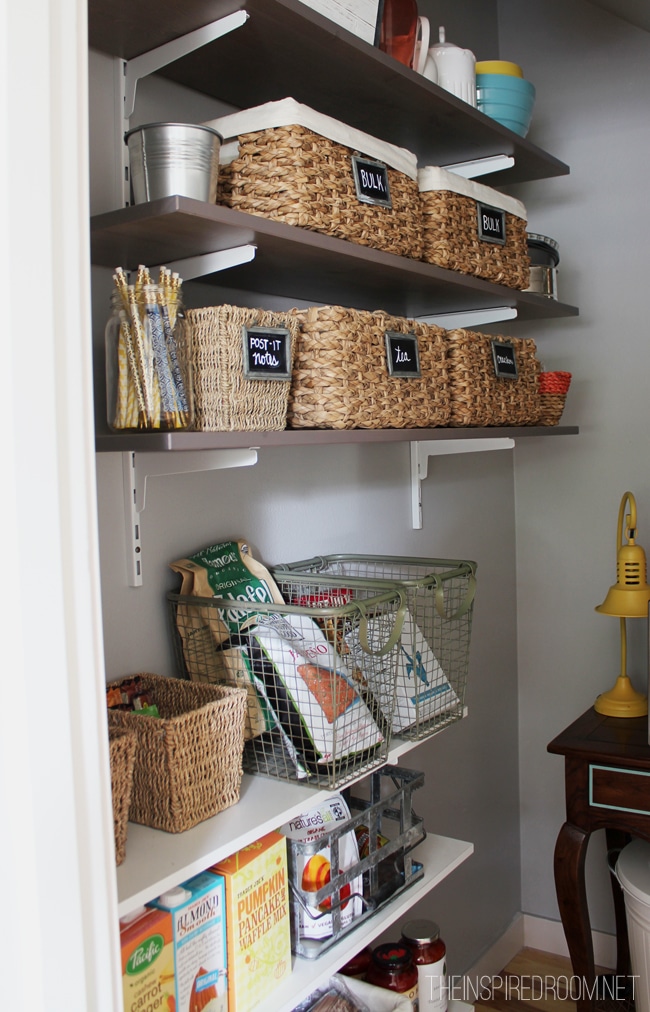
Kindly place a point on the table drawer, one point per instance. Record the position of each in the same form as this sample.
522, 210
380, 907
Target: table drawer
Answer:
621, 790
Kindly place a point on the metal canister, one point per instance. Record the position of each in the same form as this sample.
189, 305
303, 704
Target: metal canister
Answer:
173, 158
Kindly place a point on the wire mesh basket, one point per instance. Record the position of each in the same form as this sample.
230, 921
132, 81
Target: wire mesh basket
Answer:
387, 830
433, 653
320, 695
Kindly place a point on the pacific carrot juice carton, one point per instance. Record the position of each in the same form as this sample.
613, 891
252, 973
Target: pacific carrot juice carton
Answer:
197, 911
259, 932
148, 961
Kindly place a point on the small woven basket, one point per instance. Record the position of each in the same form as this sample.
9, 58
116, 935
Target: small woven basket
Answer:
188, 763
122, 747
553, 389
478, 396
292, 174
224, 398
341, 378
450, 239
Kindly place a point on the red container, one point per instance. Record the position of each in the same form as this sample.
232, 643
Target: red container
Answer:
392, 967
399, 25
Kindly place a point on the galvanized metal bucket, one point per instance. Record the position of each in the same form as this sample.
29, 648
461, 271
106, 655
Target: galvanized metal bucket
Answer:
173, 158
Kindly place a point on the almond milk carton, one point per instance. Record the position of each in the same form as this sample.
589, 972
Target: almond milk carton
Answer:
259, 931
147, 960
197, 913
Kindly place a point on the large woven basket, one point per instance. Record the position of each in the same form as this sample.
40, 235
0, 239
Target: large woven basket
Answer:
188, 764
553, 389
122, 748
478, 396
224, 398
297, 176
451, 237
341, 379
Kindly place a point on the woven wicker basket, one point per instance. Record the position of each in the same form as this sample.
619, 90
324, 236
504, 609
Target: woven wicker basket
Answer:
122, 748
450, 231
478, 396
553, 389
297, 176
188, 764
341, 379
224, 399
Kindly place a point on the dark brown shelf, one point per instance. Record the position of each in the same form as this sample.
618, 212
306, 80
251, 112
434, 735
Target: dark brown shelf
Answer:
286, 49
161, 441
298, 264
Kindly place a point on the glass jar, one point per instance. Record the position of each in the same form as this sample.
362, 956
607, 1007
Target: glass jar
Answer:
429, 954
398, 30
358, 965
148, 377
392, 967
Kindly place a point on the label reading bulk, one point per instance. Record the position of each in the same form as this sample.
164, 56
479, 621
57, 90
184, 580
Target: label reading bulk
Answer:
505, 360
267, 353
402, 355
491, 224
371, 181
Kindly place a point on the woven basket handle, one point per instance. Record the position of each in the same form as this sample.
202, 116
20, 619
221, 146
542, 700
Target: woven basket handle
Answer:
395, 634
463, 608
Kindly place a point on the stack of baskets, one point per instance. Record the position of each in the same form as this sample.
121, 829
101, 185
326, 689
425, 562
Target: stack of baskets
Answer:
553, 389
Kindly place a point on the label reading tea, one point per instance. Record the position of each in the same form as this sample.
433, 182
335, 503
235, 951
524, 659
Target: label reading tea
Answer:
505, 360
491, 224
371, 181
402, 355
267, 353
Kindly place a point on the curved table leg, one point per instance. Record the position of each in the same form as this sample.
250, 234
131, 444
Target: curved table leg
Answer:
569, 869
616, 840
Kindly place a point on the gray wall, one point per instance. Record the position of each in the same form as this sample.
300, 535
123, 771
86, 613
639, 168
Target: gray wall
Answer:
592, 73
296, 502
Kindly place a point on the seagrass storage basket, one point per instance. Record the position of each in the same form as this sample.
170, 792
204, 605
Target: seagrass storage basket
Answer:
479, 394
471, 228
307, 667
433, 656
122, 747
553, 390
342, 372
283, 160
188, 763
227, 396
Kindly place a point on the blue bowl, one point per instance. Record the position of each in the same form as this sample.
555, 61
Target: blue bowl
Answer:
506, 82
505, 98
503, 109
518, 126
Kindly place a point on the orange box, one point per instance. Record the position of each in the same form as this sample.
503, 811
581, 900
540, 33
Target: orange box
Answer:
148, 961
257, 920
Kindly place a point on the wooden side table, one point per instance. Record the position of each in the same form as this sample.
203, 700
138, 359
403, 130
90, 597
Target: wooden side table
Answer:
607, 786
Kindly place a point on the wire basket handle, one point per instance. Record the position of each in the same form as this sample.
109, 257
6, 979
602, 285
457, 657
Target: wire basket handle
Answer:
464, 607
395, 634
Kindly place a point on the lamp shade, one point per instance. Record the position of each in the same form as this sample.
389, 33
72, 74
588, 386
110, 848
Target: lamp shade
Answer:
630, 595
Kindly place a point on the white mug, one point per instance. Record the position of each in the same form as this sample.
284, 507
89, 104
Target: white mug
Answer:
421, 51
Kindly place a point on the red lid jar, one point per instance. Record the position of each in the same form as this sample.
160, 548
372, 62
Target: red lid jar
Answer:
392, 967
358, 965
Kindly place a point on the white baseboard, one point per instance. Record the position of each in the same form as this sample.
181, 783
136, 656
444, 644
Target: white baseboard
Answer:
533, 933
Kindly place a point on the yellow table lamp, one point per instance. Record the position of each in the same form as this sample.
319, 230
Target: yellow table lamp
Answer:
627, 598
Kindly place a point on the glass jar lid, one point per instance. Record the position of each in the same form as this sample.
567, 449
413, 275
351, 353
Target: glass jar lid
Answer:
421, 931
392, 956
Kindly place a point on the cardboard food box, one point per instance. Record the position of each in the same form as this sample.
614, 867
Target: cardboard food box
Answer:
148, 960
257, 914
197, 911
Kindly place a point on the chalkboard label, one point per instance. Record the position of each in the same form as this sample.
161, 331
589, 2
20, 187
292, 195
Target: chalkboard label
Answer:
491, 224
267, 353
371, 181
402, 355
505, 360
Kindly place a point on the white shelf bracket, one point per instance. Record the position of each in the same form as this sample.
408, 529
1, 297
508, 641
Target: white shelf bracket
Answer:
138, 467
471, 317
481, 166
211, 263
156, 59
421, 451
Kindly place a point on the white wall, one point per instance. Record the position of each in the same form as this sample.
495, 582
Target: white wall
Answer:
592, 74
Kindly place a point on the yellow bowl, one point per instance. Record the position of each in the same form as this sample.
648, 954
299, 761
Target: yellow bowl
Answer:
499, 67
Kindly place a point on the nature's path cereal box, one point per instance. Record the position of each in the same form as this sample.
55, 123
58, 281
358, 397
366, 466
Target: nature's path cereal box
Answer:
199, 931
258, 923
148, 961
